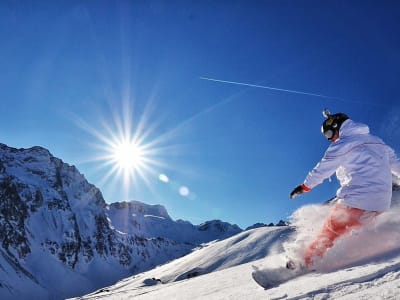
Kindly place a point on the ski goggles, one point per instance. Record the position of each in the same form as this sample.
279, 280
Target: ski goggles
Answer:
329, 128
329, 133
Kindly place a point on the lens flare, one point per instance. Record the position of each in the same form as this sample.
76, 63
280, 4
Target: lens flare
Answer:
163, 178
184, 191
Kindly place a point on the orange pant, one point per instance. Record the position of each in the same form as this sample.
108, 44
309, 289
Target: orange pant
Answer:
340, 221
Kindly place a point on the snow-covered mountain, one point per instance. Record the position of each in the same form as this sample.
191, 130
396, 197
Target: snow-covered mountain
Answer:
149, 221
57, 237
363, 266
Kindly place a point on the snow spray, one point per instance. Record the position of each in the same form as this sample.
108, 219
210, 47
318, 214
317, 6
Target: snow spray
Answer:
380, 237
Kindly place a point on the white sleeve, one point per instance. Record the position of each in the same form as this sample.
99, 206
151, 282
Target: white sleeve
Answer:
324, 169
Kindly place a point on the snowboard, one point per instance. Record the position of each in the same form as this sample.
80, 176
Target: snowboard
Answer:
270, 278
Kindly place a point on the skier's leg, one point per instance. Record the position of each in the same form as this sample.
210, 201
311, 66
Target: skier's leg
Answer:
341, 220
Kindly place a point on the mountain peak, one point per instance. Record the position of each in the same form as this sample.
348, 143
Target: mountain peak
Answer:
51, 215
140, 208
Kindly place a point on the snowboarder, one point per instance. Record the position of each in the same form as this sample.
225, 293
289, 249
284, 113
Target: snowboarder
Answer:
364, 165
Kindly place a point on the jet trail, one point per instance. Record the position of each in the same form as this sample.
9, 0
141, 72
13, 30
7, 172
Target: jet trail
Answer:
267, 87
377, 104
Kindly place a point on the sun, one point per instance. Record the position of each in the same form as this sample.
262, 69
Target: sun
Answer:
127, 151
128, 156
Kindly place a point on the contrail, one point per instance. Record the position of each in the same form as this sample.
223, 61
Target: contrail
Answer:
378, 104
268, 87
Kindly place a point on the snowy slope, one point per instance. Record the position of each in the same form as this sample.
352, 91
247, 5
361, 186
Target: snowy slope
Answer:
375, 280
365, 266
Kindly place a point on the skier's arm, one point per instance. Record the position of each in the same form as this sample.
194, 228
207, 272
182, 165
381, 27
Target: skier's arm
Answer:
324, 169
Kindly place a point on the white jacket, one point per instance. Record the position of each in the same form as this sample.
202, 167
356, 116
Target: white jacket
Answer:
363, 164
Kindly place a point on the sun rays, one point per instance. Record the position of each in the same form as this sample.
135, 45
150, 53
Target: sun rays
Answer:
132, 155
124, 148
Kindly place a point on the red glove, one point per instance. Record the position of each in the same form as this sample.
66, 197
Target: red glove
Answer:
300, 189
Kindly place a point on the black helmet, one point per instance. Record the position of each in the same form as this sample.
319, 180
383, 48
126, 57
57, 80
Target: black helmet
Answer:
332, 123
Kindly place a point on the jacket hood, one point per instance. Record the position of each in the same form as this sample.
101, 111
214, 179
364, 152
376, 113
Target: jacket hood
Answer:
349, 127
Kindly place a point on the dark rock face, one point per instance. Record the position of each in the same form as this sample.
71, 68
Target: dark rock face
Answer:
13, 213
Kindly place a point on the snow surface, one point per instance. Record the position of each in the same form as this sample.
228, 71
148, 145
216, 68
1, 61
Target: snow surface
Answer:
363, 266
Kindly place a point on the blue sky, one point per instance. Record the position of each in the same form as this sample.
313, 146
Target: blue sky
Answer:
74, 73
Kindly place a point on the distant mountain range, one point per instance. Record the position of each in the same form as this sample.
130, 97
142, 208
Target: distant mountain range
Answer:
59, 238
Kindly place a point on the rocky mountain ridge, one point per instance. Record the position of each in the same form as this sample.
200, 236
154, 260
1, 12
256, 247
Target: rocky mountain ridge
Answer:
148, 221
55, 224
